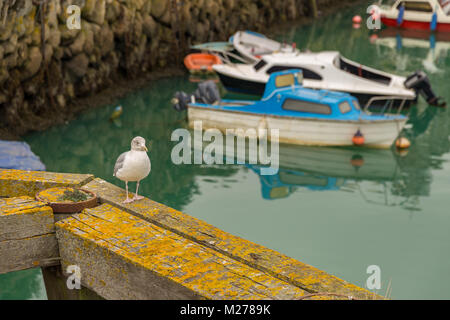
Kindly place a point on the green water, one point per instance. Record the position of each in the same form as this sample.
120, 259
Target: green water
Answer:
340, 210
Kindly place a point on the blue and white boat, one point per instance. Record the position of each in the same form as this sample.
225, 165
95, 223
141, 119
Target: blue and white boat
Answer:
302, 116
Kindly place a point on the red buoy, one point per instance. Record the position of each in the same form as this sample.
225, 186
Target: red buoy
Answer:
356, 26
358, 138
357, 19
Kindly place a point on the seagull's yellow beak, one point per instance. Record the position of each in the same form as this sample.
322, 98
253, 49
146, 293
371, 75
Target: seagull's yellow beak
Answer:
145, 148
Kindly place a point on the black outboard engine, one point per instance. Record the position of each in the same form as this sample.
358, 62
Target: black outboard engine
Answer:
421, 84
180, 101
207, 92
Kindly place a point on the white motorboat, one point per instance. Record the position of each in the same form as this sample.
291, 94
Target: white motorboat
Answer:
325, 70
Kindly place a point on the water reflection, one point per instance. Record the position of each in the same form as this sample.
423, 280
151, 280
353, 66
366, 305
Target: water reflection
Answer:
370, 173
431, 50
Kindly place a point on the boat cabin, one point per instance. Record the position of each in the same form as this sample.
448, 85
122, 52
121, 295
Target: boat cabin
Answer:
284, 95
419, 6
328, 64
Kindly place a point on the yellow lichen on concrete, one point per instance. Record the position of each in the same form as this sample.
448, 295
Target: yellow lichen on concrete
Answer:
269, 261
203, 271
21, 205
14, 183
27, 234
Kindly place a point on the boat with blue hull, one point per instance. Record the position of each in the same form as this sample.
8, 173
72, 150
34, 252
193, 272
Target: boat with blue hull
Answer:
302, 116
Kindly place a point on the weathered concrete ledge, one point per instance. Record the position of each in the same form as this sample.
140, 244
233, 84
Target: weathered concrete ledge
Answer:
27, 235
146, 250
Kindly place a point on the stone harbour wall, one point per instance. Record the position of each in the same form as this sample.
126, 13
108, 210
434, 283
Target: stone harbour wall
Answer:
44, 65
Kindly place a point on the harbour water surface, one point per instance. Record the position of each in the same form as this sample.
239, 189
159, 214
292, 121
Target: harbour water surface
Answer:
340, 210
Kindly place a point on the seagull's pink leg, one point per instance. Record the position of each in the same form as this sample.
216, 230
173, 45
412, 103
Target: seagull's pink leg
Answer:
127, 200
136, 196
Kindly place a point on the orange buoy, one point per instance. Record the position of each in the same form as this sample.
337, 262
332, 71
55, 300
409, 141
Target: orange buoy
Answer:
358, 138
196, 62
402, 143
357, 19
357, 161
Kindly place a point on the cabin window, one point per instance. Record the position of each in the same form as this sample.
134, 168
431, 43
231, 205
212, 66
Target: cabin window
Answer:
421, 6
361, 71
345, 107
285, 80
306, 106
260, 64
307, 74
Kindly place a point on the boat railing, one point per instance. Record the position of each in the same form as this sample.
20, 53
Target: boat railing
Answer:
225, 55
390, 100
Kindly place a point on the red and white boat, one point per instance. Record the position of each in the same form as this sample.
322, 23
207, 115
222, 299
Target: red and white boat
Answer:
417, 14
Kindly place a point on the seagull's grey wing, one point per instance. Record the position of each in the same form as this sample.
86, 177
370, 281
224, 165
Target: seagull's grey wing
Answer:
119, 162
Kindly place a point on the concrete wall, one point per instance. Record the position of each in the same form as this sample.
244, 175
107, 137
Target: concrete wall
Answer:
44, 65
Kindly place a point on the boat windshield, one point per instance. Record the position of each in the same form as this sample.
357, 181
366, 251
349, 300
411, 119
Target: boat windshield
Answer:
345, 107
260, 64
285, 80
360, 71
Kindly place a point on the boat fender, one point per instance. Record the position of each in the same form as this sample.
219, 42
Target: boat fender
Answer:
421, 84
180, 101
402, 143
358, 138
207, 92
433, 24
401, 14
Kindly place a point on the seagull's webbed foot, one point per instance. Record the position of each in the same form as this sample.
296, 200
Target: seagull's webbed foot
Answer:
128, 200
136, 198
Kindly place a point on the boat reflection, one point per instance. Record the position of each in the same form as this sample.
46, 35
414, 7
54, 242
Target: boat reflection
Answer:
431, 48
325, 169
379, 177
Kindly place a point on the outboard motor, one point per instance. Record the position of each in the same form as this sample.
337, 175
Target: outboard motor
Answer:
207, 92
421, 84
180, 101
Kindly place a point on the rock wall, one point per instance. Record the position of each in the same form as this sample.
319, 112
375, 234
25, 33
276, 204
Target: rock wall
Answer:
44, 65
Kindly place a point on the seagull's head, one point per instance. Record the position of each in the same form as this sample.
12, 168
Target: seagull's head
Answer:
138, 144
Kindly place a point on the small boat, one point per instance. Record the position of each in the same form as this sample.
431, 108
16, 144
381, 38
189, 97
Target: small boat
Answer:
253, 46
201, 62
302, 116
431, 15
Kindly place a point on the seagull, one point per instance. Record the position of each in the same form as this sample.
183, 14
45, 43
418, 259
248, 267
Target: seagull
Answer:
133, 165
